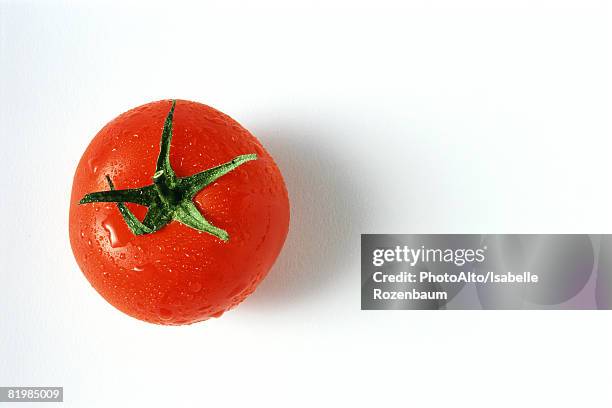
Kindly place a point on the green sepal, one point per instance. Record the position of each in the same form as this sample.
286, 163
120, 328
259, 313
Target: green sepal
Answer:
132, 222
142, 196
157, 216
188, 214
193, 184
164, 170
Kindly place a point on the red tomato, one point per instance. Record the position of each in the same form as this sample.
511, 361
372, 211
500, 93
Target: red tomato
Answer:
182, 248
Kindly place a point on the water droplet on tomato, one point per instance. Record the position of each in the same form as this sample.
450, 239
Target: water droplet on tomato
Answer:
118, 237
93, 166
165, 314
148, 268
195, 287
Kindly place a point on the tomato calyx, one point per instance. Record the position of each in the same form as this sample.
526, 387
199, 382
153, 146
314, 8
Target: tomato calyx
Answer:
169, 197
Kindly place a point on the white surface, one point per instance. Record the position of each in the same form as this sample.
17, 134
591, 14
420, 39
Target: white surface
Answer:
434, 116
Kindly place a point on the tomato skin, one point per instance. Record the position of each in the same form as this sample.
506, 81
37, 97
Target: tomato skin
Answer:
178, 275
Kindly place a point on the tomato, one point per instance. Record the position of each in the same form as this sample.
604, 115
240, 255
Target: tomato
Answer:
177, 212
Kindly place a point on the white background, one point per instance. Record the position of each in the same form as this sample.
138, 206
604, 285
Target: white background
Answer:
406, 117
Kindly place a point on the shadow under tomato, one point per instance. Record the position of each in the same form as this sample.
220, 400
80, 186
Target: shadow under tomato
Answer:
324, 232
